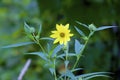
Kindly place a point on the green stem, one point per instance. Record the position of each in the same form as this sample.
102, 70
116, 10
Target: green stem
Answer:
65, 48
66, 51
55, 71
41, 47
66, 58
37, 41
79, 56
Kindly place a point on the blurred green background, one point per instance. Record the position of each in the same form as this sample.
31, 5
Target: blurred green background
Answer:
101, 54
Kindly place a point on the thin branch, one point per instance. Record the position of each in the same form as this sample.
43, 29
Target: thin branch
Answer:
24, 69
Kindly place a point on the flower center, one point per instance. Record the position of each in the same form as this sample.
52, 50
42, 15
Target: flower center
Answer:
62, 35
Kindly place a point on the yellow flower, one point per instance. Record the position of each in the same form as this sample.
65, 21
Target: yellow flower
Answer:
62, 34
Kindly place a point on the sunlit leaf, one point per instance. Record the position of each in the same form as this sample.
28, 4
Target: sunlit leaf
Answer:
18, 44
104, 27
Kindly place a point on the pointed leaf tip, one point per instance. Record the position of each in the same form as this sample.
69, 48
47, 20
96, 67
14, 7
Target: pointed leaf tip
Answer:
79, 31
41, 54
40, 29
104, 27
78, 46
56, 50
82, 24
18, 44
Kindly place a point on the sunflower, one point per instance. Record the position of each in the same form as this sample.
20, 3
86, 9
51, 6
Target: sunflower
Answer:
62, 34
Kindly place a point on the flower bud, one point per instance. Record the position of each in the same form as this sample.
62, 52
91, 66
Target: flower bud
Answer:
32, 29
92, 27
37, 37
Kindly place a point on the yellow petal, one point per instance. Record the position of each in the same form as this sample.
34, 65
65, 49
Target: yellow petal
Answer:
67, 26
53, 31
53, 36
58, 27
61, 29
61, 41
68, 39
65, 43
56, 40
71, 34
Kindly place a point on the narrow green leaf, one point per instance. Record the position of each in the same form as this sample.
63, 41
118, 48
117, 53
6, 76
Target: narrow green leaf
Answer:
41, 54
95, 73
48, 47
18, 44
28, 31
82, 24
56, 50
26, 27
104, 27
80, 78
90, 75
80, 32
52, 70
78, 47
68, 74
30, 36
46, 38
40, 29
63, 55
76, 69
71, 75
98, 75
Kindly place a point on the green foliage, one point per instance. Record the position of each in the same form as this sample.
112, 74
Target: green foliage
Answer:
52, 56
41, 54
92, 75
13, 13
18, 45
104, 27
80, 32
78, 47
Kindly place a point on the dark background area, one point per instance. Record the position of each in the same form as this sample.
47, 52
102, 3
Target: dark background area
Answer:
101, 54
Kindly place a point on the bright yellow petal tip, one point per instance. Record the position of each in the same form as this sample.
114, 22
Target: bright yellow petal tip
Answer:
61, 34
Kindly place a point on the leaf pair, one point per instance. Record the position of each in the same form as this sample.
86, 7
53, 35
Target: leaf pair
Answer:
91, 27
